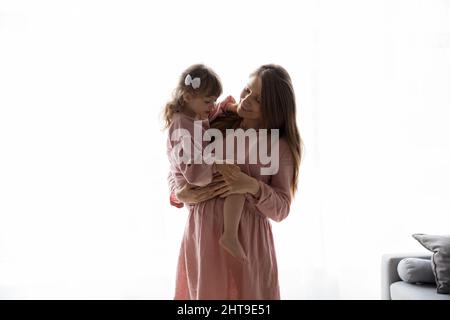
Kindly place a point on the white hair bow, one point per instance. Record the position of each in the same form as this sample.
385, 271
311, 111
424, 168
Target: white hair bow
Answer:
195, 83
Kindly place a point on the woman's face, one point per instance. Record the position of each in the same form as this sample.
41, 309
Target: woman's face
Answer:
249, 106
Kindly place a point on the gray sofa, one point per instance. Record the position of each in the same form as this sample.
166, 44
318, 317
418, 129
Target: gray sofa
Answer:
393, 288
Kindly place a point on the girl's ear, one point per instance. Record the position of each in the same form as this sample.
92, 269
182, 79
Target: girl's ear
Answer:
187, 97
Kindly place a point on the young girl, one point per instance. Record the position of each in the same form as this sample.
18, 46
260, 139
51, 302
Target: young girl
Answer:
194, 99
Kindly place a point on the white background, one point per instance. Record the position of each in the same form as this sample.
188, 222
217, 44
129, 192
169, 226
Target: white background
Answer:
84, 209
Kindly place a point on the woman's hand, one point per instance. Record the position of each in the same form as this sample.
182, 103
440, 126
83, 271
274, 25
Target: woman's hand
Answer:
241, 183
227, 170
191, 194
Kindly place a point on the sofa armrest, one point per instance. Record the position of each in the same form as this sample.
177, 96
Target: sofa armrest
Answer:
389, 274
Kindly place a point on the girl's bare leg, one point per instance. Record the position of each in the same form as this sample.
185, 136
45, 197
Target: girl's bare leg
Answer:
233, 206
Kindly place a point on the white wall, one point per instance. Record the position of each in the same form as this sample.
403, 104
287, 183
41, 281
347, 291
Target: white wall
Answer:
83, 198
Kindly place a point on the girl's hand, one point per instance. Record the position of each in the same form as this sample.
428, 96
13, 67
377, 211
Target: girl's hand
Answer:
230, 104
241, 184
231, 107
191, 194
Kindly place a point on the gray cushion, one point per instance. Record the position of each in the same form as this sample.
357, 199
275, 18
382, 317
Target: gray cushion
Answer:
407, 291
415, 270
440, 246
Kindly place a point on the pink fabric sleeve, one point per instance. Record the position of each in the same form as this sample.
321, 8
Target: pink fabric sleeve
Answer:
219, 108
274, 200
197, 174
173, 198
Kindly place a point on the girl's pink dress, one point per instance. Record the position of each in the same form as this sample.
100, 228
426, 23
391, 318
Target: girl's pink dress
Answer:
205, 270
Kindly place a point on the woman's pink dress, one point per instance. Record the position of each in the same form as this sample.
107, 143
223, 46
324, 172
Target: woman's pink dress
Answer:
207, 271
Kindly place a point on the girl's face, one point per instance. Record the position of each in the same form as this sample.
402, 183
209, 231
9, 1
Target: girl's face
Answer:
249, 106
200, 106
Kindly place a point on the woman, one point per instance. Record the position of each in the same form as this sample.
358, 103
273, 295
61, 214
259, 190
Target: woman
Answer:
205, 271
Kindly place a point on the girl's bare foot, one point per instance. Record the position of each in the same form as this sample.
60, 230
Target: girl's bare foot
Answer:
233, 246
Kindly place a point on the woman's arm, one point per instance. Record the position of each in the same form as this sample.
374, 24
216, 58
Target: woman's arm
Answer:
191, 194
272, 200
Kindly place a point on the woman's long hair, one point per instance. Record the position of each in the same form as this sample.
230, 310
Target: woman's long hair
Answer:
278, 110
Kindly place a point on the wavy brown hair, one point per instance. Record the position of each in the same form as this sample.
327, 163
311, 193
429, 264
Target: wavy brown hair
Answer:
279, 111
210, 85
